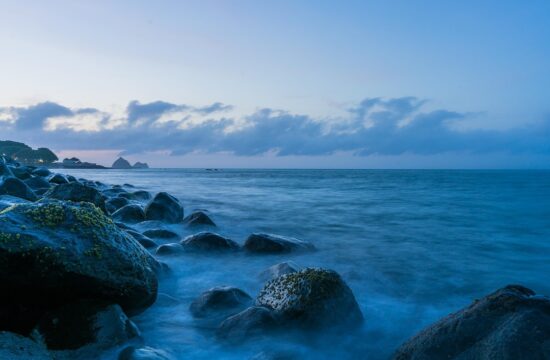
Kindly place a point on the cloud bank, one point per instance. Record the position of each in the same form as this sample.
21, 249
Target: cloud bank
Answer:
374, 126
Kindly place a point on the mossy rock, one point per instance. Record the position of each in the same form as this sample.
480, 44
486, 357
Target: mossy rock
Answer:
77, 192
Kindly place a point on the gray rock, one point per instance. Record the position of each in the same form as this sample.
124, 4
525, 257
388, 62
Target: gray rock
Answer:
511, 323
15, 187
198, 218
164, 207
130, 213
249, 323
207, 241
224, 300
311, 298
77, 192
287, 267
275, 244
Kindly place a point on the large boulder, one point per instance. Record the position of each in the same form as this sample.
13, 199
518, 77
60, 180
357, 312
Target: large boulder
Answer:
41, 171
220, 300
311, 298
160, 234
85, 323
130, 213
38, 183
275, 244
198, 218
511, 323
164, 207
15, 187
251, 322
77, 192
21, 172
7, 200
116, 203
53, 253
207, 241
58, 179
17, 347
5, 170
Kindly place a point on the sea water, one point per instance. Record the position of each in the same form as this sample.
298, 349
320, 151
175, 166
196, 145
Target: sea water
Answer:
413, 245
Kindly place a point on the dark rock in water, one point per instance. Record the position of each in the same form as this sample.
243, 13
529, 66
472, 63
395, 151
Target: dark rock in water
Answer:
275, 244
142, 239
113, 204
131, 213
144, 353
17, 347
22, 172
166, 300
7, 200
5, 170
121, 163
170, 249
85, 323
207, 241
58, 179
15, 187
248, 323
53, 253
71, 178
124, 226
198, 218
287, 267
41, 171
221, 299
311, 298
164, 207
112, 192
77, 192
160, 234
128, 185
38, 182
511, 323
141, 195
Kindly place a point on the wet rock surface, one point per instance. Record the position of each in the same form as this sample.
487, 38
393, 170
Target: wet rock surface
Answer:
275, 244
164, 207
207, 241
221, 300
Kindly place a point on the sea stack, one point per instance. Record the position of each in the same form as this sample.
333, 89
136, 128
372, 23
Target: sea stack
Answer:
121, 163
140, 165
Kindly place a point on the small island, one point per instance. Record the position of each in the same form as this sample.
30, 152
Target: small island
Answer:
122, 163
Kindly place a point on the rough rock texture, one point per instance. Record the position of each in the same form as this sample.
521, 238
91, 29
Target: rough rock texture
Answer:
248, 323
170, 249
275, 244
77, 192
85, 323
130, 213
164, 207
144, 353
160, 234
142, 239
287, 267
312, 298
116, 203
511, 323
38, 182
198, 218
207, 241
58, 179
140, 195
15, 187
7, 200
221, 299
17, 347
53, 253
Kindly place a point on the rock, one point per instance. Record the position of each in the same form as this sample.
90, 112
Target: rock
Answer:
131, 213
17, 347
38, 183
121, 163
275, 244
15, 187
142, 239
22, 172
144, 353
164, 207
311, 298
141, 195
53, 253
113, 192
225, 300
85, 323
5, 170
287, 267
77, 192
207, 241
160, 234
198, 218
71, 178
250, 322
7, 200
170, 249
58, 179
41, 171
113, 204
511, 323
140, 165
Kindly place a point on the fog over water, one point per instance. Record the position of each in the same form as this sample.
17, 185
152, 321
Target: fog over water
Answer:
413, 245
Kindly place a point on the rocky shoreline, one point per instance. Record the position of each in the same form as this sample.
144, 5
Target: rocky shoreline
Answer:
77, 264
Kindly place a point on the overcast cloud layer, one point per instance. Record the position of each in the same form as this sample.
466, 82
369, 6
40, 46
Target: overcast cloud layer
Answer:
373, 126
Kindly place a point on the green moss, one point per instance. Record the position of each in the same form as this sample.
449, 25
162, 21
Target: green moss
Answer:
95, 251
50, 215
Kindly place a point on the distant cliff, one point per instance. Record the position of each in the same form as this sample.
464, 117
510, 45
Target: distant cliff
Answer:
25, 154
122, 163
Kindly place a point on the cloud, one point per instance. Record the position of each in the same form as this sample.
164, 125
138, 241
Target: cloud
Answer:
373, 126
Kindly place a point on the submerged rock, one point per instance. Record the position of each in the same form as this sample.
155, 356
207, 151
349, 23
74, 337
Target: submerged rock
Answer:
160, 234
311, 298
53, 253
287, 267
207, 241
511, 323
250, 322
198, 218
85, 323
17, 347
223, 300
144, 353
164, 207
275, 244
15, 187
130, 213
77, 192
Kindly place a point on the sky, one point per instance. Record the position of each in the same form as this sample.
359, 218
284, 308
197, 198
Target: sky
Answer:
330, 84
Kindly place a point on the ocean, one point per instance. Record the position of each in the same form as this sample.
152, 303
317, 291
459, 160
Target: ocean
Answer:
413, 245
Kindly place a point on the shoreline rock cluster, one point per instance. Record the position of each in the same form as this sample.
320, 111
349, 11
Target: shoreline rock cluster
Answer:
75, 270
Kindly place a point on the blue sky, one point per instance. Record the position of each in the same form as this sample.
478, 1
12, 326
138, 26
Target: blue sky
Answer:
280, 83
